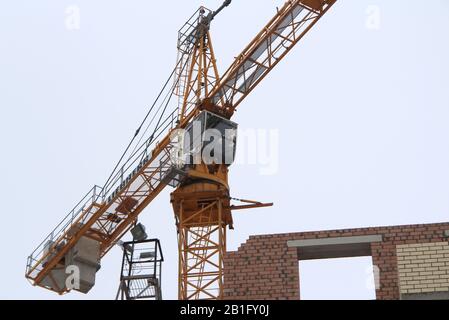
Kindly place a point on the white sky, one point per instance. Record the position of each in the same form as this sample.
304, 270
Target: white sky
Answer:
362, 116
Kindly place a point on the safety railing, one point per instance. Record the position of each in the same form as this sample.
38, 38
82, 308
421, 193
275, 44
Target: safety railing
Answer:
188, 34
138, 159
37, 258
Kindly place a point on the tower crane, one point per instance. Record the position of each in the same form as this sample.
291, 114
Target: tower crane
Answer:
164, 152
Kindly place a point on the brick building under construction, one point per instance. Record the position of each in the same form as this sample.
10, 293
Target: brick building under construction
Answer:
412, 261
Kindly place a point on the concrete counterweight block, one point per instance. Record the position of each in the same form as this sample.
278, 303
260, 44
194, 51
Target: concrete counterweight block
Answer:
56, 277
85, 258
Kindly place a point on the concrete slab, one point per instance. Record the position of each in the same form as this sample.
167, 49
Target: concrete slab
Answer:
85, 255
426, 296
334, 241
336, 247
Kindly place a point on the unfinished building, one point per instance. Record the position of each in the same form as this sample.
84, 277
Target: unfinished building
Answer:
412, 261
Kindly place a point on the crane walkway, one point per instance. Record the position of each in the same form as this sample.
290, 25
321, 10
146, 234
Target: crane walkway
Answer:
104, 215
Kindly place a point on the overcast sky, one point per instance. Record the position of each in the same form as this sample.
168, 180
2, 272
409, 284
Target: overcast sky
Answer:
361, 107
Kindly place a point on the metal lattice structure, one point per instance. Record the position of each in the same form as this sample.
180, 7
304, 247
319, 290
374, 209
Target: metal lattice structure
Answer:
141, 272
147, 167
290, 24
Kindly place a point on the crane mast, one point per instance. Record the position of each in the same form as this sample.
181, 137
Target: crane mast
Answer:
201, 200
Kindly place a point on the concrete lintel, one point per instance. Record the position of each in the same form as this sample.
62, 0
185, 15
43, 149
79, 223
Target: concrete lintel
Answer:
426, 296
334, 241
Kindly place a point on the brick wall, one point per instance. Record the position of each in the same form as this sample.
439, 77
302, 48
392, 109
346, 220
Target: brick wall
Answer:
423, 268
265, 267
